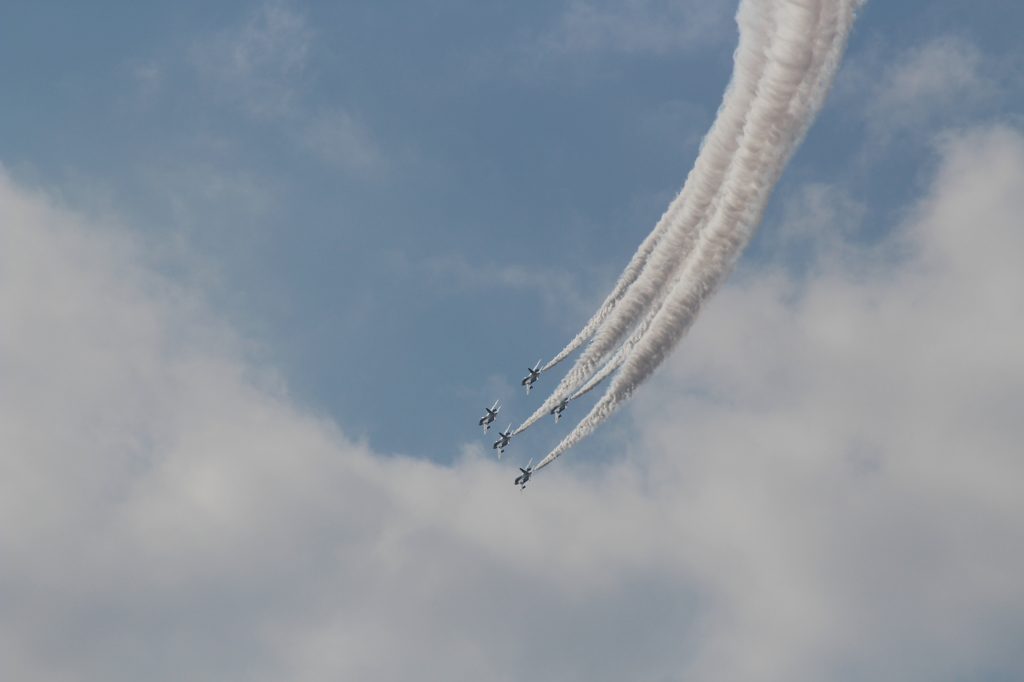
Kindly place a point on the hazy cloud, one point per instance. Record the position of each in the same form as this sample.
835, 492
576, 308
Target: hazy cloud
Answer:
561, 293
338, 139
638, 26
906, 95
819, 226
828, 485
848, 447
261, 66
946, 73
259, 63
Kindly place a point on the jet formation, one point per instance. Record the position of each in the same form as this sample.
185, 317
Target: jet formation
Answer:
492, 412
525, 476
500, 444
504, 437
530, 378
558, 409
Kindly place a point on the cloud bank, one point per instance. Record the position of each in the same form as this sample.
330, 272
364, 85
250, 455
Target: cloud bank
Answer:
828, 486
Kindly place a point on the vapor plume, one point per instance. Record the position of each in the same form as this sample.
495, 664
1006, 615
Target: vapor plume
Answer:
787, 56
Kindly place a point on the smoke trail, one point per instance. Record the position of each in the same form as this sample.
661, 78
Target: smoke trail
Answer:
620, 356
809, 38
643, 283
701, 180
626, 279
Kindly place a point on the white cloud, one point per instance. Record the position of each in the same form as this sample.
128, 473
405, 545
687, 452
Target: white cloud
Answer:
850, 446
165, 514
560, 292
260, 66
340, 140
906, 95
259, 62
945, 74
817, 226
638, 26
828, 489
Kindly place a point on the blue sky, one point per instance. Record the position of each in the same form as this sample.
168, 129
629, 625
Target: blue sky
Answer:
264, 264
404, 206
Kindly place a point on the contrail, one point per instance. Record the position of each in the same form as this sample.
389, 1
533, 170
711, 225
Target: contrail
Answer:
702, 180
643, 282
799, 44
620, 356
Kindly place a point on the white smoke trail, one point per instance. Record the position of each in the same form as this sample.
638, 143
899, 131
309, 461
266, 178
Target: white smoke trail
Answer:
626, 279
620, 356
642, 285
723, 132
809, 38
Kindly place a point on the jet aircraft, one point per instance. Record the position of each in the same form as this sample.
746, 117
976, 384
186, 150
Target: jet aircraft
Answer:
533, 375
500, 444
492, 412
522, 479
559, 408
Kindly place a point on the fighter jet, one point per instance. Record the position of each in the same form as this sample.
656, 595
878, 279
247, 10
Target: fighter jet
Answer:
492, 412
527, 472
500, 444
559, 408
531, 377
